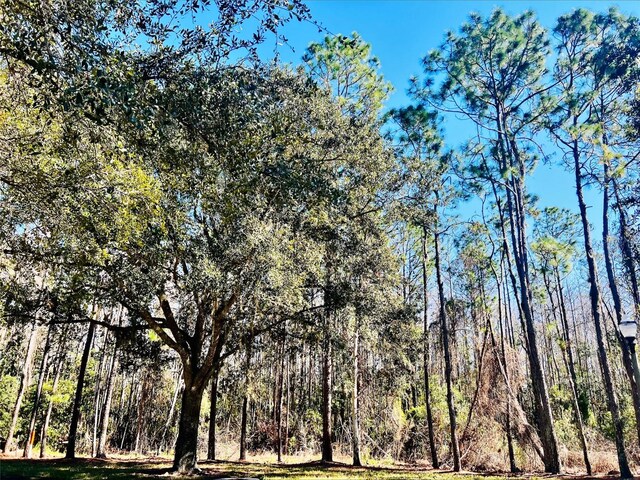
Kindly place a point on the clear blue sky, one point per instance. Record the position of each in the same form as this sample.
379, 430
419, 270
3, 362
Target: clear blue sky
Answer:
401, 32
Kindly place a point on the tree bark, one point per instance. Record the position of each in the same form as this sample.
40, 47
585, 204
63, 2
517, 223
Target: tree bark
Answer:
185, 458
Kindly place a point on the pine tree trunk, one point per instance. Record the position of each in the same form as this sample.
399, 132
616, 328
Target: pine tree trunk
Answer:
594, 294
627, 358
170, 415
513, 468
573, 378
25, 378
101, 451
213, 415
425, 345
245, 401
44, 365
355, 419
280, 394
327, 367
542, 405
47, 417
455, 452
510, 158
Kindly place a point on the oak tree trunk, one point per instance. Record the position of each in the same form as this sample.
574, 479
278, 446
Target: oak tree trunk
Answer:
185, 458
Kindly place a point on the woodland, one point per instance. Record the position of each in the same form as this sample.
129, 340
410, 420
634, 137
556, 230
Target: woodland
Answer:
206, 254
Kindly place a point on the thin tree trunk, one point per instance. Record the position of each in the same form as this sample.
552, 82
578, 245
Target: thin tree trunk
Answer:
573, 377
288, 406
594, 294
510, 157
280, 394
245, 401
44, 365
512, 459
101, 451
172, 408
425, 346
97, 395
355, 420
141, 413
213, 414
133, 393
25, 378
327, 371
455, 452
627, 359
47, 418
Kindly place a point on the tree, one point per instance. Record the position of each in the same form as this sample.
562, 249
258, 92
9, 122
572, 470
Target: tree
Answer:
555, 247
344, 67
493, 76
583, 84
422, 167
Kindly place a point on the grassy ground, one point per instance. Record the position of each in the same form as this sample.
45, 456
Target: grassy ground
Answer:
90, 469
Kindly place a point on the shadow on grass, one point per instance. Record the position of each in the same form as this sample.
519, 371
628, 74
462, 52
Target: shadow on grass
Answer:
157, 468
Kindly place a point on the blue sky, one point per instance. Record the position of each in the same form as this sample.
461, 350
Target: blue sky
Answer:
401, 32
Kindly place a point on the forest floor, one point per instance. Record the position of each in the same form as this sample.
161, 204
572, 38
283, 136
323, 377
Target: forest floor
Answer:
158, 468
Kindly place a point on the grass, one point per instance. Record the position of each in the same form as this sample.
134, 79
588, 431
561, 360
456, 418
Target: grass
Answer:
157, 468
90, 469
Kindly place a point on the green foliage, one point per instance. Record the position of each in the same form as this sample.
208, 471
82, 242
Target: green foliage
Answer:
8, 394
344, 65
223, 204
